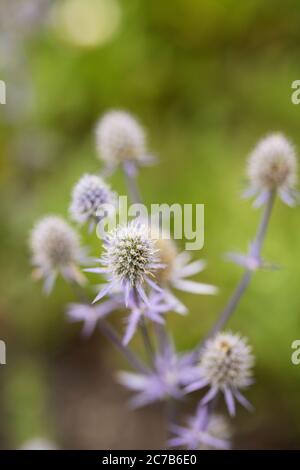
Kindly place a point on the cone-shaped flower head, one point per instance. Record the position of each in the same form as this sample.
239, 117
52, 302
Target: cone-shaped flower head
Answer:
88, 196
55, 249
227, 361
129, 261
273, 165
225, 366
119, 137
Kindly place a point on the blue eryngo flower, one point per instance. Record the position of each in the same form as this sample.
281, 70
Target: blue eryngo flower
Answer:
273, 166
120, 139
56, 250
176, 267
225, 366
91, 314
129, 262
89, 196
166, 380
202, 432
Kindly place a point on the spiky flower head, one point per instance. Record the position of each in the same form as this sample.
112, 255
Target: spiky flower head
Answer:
225, 366
131, 253
55, 249
119, 137
88, 196
273, 166
130, 260
227, 361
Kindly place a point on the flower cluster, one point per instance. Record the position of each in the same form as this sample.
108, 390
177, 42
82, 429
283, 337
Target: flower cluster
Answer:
140, 268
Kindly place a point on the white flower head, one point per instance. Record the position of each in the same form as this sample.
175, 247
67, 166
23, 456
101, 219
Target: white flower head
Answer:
273, 166
55, 249
227, 361
225, 366
119, 137
129, 261
88, 196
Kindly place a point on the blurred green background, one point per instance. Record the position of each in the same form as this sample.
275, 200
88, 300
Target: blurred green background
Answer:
207, 78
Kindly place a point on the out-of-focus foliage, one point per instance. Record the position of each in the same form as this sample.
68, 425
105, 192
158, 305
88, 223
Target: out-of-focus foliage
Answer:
208, 79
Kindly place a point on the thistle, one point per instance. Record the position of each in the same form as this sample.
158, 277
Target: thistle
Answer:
56, 250
141, 268
89, 196
120, 139
272, 166
129, 263
225, 366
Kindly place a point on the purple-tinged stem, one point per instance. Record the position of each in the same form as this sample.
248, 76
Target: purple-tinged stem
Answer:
246, 278
130, 179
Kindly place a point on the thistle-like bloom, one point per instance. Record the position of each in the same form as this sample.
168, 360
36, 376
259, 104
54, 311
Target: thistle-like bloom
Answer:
176, 268
166, 380
121, 139
129, 262
89, 195
225, 366
273, 166
202, 432
56, 250
91, 314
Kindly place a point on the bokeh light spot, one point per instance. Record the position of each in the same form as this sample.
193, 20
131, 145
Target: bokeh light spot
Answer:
87, 23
